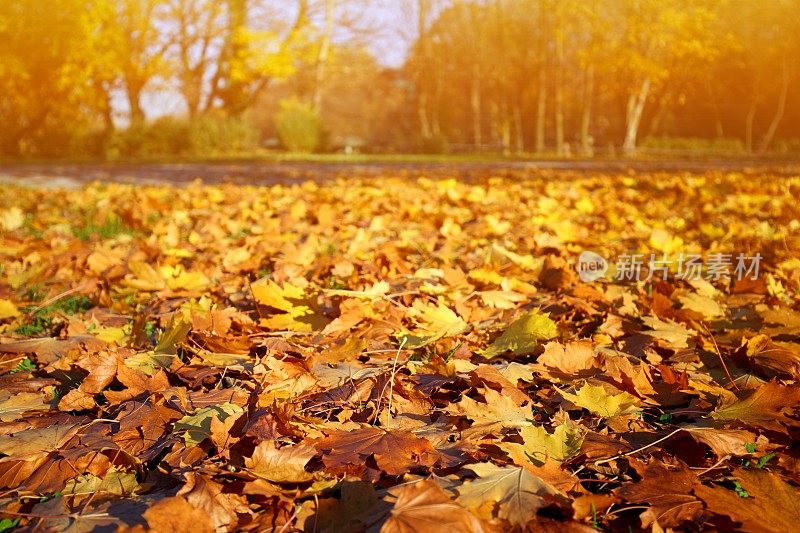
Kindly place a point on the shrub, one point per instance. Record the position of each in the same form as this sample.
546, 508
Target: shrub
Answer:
299, 127
168, 136
218, 135
436, 144
698, 145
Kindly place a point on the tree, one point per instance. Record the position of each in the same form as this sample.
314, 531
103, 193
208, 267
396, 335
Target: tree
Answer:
140, 48
651, 35
48, 97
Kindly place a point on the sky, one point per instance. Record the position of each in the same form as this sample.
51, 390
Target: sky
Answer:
392, 31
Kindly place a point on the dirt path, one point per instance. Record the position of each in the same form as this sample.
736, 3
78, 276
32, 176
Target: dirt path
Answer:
270, 173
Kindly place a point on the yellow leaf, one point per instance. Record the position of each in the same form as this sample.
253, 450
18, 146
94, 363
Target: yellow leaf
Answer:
672, 333
596, 400
434, 322
12, 218
664, 241
144, 277
524, 335
518, 492
8, 309
267, 292
110, 334
539, 445
197, 427
188, 281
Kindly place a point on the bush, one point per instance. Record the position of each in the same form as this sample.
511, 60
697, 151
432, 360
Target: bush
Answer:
789, 146
299, 127
168, 136
436, 144
726, 145
221, 136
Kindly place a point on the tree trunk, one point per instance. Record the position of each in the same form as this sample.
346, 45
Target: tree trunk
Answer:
633, 120
541, 104
475, 105
559, 95
505, 128
323, 55
518, 133
422, 89
748, 131
776, 118
586, 117
541, 111
134, 93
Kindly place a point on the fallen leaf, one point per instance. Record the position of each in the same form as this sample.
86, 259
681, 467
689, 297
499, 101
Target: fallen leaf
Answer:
434, 322
539, 445
176, 515
197, 427
772, 504
14, 407
517, 492
763, 407
281, 465
8, 309
424, 506
523, 335
596, 400
394, 451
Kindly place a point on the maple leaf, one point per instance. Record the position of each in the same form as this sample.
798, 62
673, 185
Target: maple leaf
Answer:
196, 428
517, 492
176, 514
424, 506
8, 309
596, 400
434, 322
298, 314
668, 493
705, 306
571, 358
144, 277
763, 407
281, 465
14, 406
113, 483
206, 495
34, 443
771, 504
781, 357
523, 335
539, 445
723, 442
395, 452
498, 409
674, 335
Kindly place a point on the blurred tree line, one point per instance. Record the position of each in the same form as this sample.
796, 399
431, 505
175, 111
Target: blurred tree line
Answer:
565, 77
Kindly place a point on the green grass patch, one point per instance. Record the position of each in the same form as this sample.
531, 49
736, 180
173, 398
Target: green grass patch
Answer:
41, 320
111, 227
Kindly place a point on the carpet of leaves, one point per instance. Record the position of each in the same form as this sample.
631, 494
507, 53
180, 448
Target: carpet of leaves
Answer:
398, 355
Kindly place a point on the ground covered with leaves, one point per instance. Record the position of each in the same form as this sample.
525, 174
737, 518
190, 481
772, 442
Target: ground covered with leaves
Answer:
398, 355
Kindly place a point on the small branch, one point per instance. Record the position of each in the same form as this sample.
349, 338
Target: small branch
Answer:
391, 381
637, 450
714, 466
721, 360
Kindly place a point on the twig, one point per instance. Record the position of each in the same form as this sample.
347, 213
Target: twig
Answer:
391, 381
719, 354
637, 450
714, 466
290, 520
56, 298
